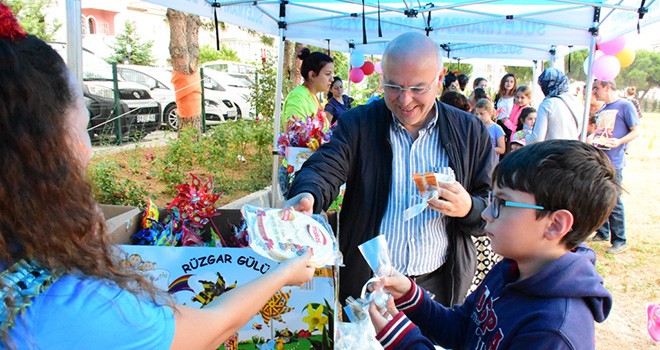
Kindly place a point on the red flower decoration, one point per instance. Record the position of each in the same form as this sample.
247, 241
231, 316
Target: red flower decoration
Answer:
9, 27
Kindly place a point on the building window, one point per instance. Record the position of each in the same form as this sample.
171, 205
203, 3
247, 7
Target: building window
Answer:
91, 25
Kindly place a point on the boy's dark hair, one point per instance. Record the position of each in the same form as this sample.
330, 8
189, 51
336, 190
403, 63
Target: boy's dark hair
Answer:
563, 174
479, 93
456, 99
463, 80
523, 115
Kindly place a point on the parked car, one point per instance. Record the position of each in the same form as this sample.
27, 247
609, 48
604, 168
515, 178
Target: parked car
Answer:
140, 113
221, 81
217, 105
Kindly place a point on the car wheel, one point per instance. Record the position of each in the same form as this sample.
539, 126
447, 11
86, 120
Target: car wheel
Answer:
172, 117
239, 115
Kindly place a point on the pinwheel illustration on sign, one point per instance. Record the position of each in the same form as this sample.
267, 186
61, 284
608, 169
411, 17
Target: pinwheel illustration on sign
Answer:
276, 307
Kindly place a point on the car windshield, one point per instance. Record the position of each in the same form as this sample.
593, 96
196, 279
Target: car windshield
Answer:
226, 79
94, 68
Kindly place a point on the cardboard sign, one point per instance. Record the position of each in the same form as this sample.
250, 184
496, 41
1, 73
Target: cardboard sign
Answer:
296, 317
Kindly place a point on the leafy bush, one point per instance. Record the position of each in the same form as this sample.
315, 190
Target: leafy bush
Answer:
237, 155
110, 188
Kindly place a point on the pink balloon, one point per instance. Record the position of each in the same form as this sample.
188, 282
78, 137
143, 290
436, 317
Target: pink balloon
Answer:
613, 47
368, 67
606, 68
585, 65
378, 68
356, 74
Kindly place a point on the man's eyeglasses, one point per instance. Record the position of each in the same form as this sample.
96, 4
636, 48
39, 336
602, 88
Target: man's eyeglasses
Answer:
398, 89
496, 203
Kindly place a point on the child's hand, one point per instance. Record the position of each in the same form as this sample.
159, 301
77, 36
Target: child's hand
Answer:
297, 270
379, 320
396, 284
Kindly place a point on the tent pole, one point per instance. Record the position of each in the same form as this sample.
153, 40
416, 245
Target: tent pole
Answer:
590, 83
276, 196
74, 38
351, 48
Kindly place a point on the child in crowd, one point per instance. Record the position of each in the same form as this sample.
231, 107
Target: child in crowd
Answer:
480, 82
547, 198
517, 141
525, 126
486, 112
523, 99
591, 129
456, 99
504, 102
476, 95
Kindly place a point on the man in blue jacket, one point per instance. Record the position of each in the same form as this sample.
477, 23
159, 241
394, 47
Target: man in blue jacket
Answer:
376, 149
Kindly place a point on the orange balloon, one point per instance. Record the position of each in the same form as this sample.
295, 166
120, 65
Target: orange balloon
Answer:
626, 57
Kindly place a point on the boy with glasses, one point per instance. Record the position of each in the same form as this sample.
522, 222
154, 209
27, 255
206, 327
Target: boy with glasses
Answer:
547, 199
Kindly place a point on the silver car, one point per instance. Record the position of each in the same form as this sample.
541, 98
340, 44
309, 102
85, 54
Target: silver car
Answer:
218, 107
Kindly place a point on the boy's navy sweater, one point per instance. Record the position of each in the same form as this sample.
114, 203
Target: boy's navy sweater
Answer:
553, 309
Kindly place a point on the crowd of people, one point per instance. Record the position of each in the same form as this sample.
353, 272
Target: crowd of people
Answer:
526, 191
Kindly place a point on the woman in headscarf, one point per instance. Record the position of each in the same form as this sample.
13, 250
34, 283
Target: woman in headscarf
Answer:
560, 114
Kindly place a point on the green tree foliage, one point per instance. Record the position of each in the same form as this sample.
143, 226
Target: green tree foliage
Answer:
575, 71
208, 53
262, 93
129, 49
456, 67
32, 17
340, 64
644, 72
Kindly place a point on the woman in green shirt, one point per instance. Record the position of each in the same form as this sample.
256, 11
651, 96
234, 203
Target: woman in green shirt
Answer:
318, 71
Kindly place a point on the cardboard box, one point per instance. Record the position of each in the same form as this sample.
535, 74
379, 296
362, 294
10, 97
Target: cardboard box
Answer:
121, 221
197, 275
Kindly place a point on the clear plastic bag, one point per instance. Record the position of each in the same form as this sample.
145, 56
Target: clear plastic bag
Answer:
360, 332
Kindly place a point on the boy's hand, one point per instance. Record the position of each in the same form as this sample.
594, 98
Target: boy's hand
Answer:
303, 202
297, 270
453, 200
396, 284
379, 320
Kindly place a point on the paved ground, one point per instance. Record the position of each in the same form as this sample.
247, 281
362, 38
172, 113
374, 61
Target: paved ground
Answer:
156, 138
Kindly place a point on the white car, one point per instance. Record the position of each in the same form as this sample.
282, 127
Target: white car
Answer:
221, 81
218, 106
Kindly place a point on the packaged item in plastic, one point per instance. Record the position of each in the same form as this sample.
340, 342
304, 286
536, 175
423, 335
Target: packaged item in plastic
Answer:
281, 234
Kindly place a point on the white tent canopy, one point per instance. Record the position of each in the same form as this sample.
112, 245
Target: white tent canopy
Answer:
502, 29
510, 29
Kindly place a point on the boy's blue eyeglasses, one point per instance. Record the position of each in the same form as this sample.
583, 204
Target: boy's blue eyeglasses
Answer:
496, 203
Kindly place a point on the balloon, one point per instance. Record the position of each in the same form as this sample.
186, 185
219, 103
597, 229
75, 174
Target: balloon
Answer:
356, 75
626, 57
597, 55
614, 46
378, 68
357, 59
606, 68
368, 68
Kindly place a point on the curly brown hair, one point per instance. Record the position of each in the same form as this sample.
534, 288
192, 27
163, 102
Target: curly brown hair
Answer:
48, 214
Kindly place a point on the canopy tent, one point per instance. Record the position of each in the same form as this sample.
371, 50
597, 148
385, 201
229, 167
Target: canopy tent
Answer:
527, 28
507, 29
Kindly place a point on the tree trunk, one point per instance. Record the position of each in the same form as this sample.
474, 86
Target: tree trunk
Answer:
184, 50
296, 78
287, 85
